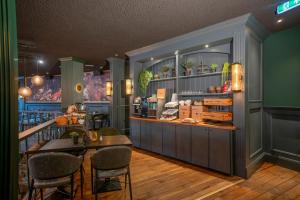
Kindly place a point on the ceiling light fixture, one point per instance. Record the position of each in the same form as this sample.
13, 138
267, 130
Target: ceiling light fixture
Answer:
206, 46
151, 58
37, 80
25, 91
116, 55
279, 21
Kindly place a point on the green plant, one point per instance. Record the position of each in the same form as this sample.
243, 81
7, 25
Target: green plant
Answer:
74, 134
187, 65
225, 72
144, 79
213, 67
165, 69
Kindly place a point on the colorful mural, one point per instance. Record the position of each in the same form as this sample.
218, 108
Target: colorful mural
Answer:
94, 86
50, 91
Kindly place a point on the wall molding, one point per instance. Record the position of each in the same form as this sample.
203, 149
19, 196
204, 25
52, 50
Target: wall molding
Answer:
285, 153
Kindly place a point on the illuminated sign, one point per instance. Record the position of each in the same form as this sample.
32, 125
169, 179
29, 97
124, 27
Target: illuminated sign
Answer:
286, 6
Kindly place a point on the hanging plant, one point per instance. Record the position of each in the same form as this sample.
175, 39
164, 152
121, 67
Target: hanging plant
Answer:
225, 72
144, 79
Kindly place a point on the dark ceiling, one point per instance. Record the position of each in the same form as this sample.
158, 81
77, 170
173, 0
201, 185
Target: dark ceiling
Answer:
94, 30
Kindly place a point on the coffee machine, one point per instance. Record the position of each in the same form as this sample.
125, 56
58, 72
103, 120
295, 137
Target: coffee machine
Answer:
137, 107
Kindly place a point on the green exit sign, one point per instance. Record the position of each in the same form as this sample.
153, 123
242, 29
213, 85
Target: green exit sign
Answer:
286, 6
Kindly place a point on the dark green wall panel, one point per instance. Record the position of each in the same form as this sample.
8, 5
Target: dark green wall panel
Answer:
8, 101
282, 68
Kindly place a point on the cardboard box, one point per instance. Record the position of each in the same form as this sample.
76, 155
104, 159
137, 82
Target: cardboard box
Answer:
184, 112
197, 111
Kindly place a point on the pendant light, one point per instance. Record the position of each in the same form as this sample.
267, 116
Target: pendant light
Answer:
25, 91
37, 80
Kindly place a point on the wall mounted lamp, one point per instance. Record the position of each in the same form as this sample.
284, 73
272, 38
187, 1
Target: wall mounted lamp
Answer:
109, 88
236, 77
128, 87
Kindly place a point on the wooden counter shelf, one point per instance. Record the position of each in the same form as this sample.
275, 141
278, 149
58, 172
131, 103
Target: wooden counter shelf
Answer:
201, 124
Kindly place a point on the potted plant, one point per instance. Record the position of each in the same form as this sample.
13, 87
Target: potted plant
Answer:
144, 80
188, 66
165, 71
225, 72
75, 137
213, 67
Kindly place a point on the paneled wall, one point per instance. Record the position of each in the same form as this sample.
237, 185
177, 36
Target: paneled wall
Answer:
282, 135
282, 97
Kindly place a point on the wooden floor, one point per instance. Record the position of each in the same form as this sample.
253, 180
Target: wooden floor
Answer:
157, 177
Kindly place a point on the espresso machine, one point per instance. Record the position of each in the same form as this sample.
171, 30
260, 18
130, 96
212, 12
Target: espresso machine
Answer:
137, 106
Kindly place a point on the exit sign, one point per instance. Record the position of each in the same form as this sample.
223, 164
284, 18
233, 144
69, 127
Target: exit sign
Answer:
286, 6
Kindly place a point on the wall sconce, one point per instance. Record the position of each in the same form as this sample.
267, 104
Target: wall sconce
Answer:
109, 88
128, 87
236, 77
78, 87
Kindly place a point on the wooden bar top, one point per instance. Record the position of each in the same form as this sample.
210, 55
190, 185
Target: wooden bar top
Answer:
178, 122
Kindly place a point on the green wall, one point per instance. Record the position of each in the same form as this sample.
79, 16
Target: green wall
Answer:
281, 68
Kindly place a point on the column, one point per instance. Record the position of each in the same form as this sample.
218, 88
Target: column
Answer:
117, 111
71, 80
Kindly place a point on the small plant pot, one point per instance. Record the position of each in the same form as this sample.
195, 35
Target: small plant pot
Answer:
188, 72
75, 140
166, 74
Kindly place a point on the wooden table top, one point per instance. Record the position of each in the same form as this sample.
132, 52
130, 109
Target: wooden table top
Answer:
178, 122
67, 144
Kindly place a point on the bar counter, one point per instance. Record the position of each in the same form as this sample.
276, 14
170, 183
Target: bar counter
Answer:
224, 126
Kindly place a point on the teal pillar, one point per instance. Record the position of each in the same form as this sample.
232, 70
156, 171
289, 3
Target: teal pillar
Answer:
71, 78
8, 101
117, 109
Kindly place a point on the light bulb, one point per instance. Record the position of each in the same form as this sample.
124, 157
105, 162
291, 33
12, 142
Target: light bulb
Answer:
37, 80
25, 91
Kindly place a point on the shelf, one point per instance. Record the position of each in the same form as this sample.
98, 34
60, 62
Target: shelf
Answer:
206, 94
201, 75
204, 52
163, 79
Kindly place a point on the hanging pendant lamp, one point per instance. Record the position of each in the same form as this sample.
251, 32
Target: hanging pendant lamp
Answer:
25, 91
37, 80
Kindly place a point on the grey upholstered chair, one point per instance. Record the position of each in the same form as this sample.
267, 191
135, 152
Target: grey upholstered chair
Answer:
53, 170
111, 162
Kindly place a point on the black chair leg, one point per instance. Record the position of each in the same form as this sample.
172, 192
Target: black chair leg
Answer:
129, 180
72, 187
81, 180
126, 181
41, 193
30, 189
92, 179
95, 190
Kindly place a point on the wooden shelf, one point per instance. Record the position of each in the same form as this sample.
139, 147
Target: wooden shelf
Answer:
163, 79
206, 94
201, 75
